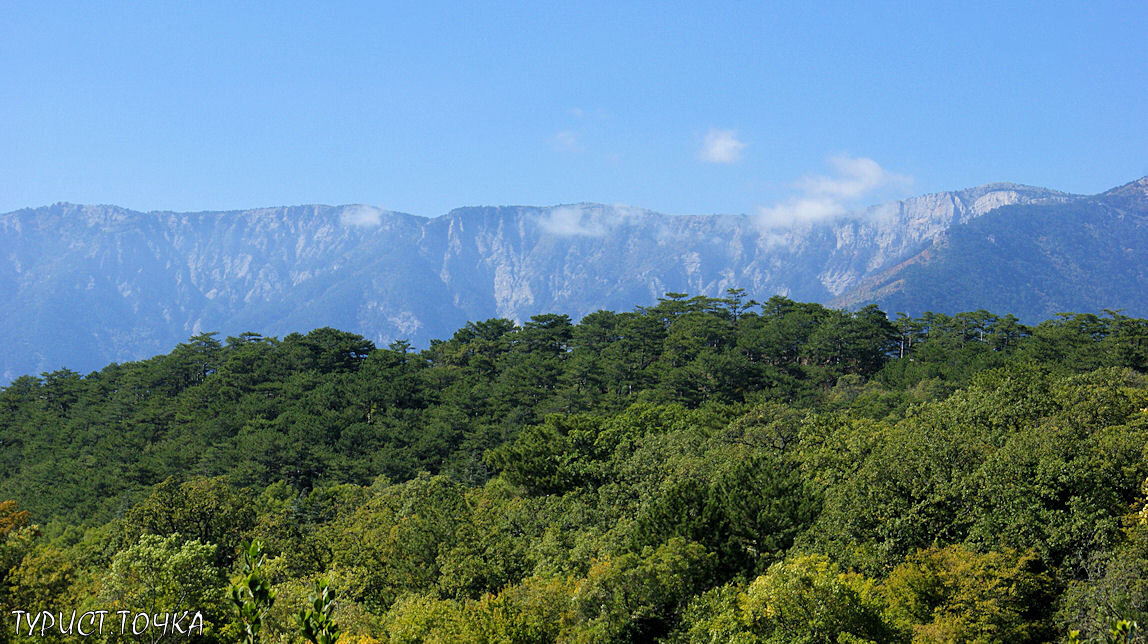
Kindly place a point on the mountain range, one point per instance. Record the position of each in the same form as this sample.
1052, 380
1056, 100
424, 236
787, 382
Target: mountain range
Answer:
87, 285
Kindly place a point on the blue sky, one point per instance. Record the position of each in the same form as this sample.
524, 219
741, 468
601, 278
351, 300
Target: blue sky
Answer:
681, 108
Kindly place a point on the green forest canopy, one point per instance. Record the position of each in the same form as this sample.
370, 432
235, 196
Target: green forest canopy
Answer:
701, 470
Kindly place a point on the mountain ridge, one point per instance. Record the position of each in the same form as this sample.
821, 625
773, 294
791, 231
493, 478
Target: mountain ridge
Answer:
88, 284
1061, 244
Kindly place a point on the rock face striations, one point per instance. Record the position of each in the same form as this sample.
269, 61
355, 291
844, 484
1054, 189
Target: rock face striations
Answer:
1084, 254
87, 285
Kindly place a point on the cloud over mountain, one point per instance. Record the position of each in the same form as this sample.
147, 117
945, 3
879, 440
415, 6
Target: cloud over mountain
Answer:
828, 197
360, 215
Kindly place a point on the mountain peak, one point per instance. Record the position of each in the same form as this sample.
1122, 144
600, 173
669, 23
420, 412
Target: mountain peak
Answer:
1133, 194
1139, 186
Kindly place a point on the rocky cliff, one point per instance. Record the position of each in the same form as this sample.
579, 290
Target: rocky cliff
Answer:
87, 285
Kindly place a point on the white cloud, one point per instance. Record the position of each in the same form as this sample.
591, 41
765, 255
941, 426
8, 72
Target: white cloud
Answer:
572, 220
566, 141
801, 210
587, 220
829, 197
856, 177
366, 216
721, 146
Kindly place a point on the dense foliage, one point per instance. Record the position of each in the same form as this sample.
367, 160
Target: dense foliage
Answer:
704, 470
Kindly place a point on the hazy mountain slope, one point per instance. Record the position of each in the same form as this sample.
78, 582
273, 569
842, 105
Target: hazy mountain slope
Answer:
584, 257
86, 285
1032, 260
885, 235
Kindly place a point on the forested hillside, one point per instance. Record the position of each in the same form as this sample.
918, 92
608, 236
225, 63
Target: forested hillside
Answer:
702, 470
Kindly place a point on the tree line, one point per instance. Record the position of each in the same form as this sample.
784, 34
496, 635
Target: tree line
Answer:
705, 469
